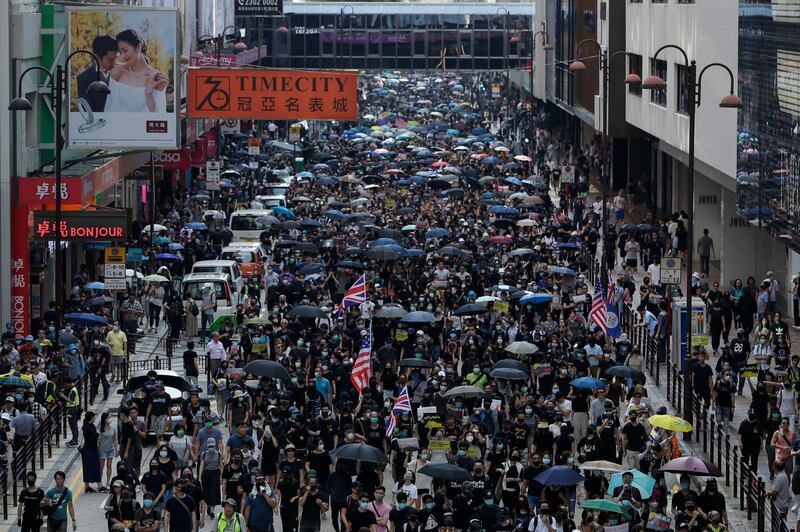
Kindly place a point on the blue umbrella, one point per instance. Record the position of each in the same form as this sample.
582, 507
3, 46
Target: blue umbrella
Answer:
283, 211
561, 270
503, 210
85, 318
196, 226
588, 383
559, 476
535, 298
569, 245
14, 380
325, 181
513, 180
333, 213
161, 240
643, 482
320, 166
437, 232
310, 223
403, 182
512, 166
166, 256
175, 246
384, 242
305, 175
95, 285
415, 252
490, 160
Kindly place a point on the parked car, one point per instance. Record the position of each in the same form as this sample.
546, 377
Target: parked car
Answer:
135, 393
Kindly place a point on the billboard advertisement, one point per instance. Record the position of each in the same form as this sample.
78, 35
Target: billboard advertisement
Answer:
138, 52
266, 94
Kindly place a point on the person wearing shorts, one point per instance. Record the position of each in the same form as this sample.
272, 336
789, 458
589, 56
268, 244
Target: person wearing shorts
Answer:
619, 206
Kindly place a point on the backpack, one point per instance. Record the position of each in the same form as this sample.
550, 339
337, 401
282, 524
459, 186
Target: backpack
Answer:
194, 310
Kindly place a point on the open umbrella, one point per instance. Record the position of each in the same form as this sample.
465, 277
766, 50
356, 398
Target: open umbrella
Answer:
419, 316
257, 321
559, 476
511, 374
220, 321
626, 372
166, 256
85, 318
464, 392
351, 264
283, 211
445, 472
306, 311
311, 268
267, 368
691, 465
452, 251
603, 465
642, 482
670, 423
588, 383
604, 505
15, 379
470, 309
391, 312
99, 300
535, 298
512, 363
155, 278
415, 363
522, 348
95, 285
360, 452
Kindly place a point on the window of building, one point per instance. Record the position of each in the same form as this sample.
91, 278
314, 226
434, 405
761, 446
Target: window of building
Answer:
682, 71
658, 1
635, 67
636, 1
686, 1
658, 67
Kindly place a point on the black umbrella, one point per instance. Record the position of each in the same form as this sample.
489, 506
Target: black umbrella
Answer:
504, 222
288, 224
306, 247
352, 264
445, 472
362, 452
419, 316
266, 368
451, 250
390, 233
415, 363
626, 372
509, 373
521, 252
381, 253
511, 363
470, 309
406, 210
306, 311
391, 312
311, 268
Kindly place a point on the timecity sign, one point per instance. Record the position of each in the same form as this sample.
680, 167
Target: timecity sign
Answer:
81, 226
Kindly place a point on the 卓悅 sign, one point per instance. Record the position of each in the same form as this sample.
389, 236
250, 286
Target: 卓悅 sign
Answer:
255, 8
42, 190
83, 226
20, 271
212, 175
273, 94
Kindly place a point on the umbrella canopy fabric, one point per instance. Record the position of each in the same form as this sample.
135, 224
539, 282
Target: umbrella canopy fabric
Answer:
419, 316
95, 285
511, 374
415, 363
510, 363
360, 452
85, 318
626, 372
691, 465
603, 465
642, 482
445, 472
306, 311
674, 423
267, 368
559, 476
522, 348
155, 278
604, 505
220, 321
15, 380
588, 383
470, 309
465, 392
391, 312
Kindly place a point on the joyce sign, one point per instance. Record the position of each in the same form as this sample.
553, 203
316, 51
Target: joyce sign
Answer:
83, 226
273, 94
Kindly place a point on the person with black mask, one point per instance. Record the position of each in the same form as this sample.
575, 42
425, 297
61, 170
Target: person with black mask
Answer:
192, 489
124, 475
531, 471
125, 508
751, 435
29, 515
487, 512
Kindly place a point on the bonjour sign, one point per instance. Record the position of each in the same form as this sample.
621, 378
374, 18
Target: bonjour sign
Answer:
273, 94
83, 226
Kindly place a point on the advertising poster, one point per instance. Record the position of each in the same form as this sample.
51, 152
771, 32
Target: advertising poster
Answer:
273, 94
137, 50
258, 8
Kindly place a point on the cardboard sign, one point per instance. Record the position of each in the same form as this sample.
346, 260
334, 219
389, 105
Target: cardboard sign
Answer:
408, 443
439, 444
421, 411
501, 307
749, 370
273, 94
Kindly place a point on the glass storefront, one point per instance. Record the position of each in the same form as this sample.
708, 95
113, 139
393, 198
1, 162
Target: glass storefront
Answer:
768, 151
421, 41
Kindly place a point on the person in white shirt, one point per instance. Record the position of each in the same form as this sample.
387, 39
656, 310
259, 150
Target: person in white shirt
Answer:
423, 481
216, 353
409, 488
654, 272
543, 521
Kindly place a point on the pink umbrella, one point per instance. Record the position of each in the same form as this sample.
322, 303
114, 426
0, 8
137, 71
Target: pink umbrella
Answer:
439, 164
691, 465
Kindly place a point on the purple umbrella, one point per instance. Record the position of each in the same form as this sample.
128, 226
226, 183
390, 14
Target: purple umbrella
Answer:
691, 465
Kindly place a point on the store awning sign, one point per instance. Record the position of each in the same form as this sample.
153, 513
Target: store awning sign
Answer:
273, 94
81, 226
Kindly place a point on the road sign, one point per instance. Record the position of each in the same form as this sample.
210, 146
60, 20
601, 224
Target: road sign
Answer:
115, 255
212, 175
671, 270
114, 276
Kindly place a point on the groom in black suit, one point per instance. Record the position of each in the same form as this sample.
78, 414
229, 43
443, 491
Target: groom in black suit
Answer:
104, 48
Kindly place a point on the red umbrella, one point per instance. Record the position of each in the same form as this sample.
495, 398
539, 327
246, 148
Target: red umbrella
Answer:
439, 164
501, 239
691, 465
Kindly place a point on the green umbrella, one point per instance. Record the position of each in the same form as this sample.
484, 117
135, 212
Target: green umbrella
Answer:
258, 321
217, 325
604, 505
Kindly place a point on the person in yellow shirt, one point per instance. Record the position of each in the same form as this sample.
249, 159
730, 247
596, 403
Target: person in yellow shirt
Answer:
118, 345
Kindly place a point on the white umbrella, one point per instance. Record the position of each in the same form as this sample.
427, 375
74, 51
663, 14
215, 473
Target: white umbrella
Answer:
487, 299
156, 228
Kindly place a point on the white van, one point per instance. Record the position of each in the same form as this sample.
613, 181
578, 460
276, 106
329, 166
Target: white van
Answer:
263, 201
227, 298
245, 224
228, 267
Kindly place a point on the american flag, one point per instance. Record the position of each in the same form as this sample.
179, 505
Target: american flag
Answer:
362, 368
403, 404
400, 123
357, 293
598, 313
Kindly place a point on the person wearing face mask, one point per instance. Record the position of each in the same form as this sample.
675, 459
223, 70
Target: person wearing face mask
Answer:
680, 498
634, 436
147, 518
29, 516
260, 505
751, 435
692, 517
398, 516
313, 503
320, 461
543, 521
232, 474
511, 473
487, 512
118, 345
424, 482
431, 515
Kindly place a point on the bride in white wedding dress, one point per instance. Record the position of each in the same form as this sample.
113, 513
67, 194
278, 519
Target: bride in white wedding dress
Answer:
136, 87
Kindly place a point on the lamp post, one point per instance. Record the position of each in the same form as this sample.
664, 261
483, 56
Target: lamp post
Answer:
507, 83
546, 46
350, 33
218, 43
605, 75
693, 85
58, 91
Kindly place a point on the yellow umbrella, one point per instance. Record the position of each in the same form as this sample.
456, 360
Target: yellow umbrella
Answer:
670, 423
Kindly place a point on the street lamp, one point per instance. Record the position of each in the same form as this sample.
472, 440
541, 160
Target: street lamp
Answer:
218, 43
350, 32
605, 74
58, 91
507, 83
693, 86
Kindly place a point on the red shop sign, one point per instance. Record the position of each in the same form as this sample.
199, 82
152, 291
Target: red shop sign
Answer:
199, 153
20, 271
174, 159
42, 190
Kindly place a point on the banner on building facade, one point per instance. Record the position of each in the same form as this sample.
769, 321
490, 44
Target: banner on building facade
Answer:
20, 271
273, 94
138, 53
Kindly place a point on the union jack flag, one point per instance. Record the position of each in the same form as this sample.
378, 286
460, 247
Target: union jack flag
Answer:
357, 293
402, 404
598, 314
400, 123
362, 368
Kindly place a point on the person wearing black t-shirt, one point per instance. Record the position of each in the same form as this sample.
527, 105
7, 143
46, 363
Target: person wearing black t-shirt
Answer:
361, 516
398, 515
29, 515
179, 511
633, 437
750, 438
190, 364
701, 378
314, 502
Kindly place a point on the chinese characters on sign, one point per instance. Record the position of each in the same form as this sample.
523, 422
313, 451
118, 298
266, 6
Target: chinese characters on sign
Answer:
42, 190
273, 94
20, 270
85, 226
